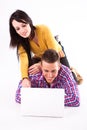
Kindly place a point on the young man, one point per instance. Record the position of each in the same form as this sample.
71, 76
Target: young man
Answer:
54, 75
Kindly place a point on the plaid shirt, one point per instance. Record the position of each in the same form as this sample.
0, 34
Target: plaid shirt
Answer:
63, 80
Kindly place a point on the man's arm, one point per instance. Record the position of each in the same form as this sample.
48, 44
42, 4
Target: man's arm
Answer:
71, 93
72, 97
72, 100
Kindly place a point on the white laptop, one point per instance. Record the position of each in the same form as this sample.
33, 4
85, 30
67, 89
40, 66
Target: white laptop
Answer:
42, 102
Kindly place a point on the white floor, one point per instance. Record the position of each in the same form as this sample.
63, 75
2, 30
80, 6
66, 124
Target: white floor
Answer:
10, 118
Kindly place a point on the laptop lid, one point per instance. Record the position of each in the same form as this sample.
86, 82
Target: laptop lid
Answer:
47, 102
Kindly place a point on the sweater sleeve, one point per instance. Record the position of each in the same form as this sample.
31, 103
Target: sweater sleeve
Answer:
50, 40
23, 62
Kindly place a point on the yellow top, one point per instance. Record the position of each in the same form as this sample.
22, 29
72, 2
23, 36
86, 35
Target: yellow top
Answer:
46, 41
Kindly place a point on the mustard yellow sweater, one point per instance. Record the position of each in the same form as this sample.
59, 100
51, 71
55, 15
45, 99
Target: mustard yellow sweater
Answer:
46, 41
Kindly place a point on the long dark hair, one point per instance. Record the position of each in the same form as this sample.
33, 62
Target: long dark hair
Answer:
16, 39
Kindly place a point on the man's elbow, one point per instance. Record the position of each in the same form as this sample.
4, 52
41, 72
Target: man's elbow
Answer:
73, 103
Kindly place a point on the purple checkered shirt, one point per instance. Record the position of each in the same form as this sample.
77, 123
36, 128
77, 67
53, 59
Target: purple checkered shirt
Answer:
63, 80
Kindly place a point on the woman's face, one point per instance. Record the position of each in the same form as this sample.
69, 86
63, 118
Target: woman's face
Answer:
24, 30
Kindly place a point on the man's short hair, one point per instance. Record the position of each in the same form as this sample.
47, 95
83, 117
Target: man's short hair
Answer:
50, 56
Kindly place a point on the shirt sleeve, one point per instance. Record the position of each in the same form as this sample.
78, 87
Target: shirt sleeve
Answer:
71, 92
35, 82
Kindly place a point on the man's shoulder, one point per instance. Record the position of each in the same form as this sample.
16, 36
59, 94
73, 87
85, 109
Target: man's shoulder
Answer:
65, 69
36, 76
65, 73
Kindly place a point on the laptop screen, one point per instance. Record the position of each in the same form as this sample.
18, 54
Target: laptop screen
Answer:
47, 102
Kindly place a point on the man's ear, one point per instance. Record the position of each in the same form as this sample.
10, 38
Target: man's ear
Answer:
59, 65
41, 66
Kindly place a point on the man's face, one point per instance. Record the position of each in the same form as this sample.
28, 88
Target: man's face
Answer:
50, 70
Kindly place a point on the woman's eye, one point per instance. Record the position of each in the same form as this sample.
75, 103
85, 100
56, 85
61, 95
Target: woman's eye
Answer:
24, 25
17, 29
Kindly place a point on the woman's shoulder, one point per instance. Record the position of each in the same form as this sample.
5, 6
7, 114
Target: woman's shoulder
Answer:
20, 49
42, 27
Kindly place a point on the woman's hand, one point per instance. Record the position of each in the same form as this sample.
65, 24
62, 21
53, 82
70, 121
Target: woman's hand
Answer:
26, 83
61, 54
35, 68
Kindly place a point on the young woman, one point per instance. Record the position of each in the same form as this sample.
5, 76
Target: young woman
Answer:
31, 42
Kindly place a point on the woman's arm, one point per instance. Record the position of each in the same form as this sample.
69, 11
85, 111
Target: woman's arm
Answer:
51, 41
23, 60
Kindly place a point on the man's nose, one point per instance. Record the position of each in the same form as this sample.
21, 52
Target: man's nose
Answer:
50, 74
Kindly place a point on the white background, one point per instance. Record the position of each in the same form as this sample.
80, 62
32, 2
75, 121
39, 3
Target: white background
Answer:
68, 19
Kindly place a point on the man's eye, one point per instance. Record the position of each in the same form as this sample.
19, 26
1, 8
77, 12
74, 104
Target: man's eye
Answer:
53, 71
46, 70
